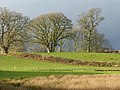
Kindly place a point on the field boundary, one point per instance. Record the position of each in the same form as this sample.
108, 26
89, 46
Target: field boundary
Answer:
67, 61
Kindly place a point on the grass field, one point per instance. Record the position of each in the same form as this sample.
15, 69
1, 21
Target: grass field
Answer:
23, 74
12, 67
108, 57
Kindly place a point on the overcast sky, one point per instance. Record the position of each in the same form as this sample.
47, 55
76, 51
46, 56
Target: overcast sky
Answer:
72, 9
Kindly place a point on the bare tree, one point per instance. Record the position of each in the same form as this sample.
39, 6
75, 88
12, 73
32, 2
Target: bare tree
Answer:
49, 29
89, 22
99, 42
12, 28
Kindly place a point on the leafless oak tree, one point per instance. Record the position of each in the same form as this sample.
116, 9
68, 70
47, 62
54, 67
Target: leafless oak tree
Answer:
49, 29
12, 28
89, 22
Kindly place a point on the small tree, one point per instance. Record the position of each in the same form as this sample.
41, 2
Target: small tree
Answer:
12, 28
89, 22
49, 29
99, 42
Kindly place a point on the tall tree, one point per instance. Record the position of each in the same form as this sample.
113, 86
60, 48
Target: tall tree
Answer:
12, 28
89, 22
49, 29
99, 43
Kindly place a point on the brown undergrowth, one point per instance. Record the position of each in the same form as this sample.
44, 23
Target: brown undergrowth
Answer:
65, 82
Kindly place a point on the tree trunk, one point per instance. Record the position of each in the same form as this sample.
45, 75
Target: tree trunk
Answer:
4, 50
48, 50
52, 49
89, 47
89, 41
60, 48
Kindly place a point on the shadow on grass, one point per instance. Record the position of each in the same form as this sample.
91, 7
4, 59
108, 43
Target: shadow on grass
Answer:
52, 88
27, 74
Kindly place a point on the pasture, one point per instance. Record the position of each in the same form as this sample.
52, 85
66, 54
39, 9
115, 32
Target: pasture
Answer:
108, 57
12, 67
29, 74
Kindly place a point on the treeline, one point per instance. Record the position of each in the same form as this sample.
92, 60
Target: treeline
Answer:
51, 32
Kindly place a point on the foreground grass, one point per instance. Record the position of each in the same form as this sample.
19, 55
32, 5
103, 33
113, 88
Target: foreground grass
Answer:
68, 82
108, 57
64, 82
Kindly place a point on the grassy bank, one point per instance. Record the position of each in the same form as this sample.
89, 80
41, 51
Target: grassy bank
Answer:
64, 82
108, 57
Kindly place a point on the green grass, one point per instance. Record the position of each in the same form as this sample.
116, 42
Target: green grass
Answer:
23, 74
16, 68
10, 63
108, 57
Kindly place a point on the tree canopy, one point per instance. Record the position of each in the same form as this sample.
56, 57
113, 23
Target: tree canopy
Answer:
49, 29
12, 28
89, 22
